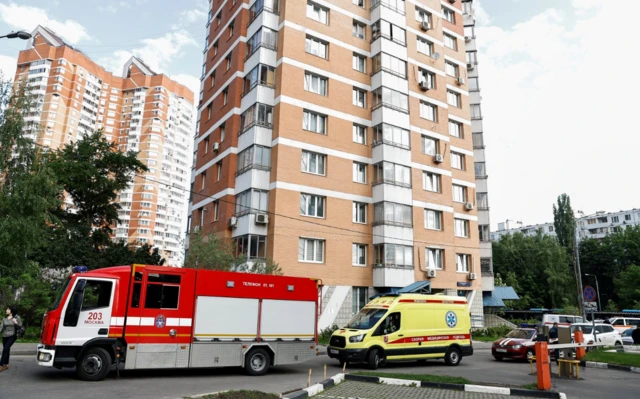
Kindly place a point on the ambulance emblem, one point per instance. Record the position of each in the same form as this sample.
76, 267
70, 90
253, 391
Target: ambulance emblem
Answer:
451, 319
160, 321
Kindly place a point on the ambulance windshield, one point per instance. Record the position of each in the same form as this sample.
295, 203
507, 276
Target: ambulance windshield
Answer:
366, 319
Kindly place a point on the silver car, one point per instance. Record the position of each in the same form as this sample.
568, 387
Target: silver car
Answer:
626, 336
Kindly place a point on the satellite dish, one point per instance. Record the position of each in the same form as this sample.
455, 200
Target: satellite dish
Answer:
435, 56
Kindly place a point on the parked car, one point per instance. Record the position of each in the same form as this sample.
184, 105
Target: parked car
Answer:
626, 336
604, 333
517, 344
623, 323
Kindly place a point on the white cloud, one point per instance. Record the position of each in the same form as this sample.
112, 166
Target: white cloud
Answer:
482, 17
190, 17
113, 7
558, 111
192, 83
7, 67
27, 18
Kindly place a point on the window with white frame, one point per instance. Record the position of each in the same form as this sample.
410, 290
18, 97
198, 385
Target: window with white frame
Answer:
311, 250
429, 145
359, 134
431, 182
432, 219
392, 135
251, 201
360, 296
425, 46
476, 112
359, 172
459, 193
463, 263
358, 29
393, 255
455, 129
428, 77
428, 111
359, 254
314, 163
359, 62
434, 257
392, 173
359, 212
391, 213
317, 13
449, 15
359, 97
461, 228
450, 42
457, 160
312, 205
314, 122
382, 28
315, 83
451, 69
383, 96
316, 47
359, 3
423, 16
453, 98
389, 63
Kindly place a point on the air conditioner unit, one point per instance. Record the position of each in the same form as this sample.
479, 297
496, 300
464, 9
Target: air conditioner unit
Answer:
470, 65
468, 206
261, 218
460, 81
233, 221
424, 25
431, 273
472, 276
424, 86
467, 38
438, 158
216, 147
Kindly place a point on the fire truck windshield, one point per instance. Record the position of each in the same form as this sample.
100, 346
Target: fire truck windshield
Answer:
366, 319
60, 294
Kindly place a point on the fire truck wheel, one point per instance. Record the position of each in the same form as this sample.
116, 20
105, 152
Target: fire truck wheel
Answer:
374, 359
94, 365
453, 357
257, 362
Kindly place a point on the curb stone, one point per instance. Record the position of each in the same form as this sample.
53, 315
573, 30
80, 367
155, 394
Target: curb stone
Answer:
610, 366
315, 389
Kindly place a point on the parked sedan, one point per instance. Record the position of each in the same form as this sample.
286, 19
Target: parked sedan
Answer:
518, 344
604, 332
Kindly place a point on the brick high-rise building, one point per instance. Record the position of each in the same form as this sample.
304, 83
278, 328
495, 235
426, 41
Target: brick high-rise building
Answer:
335, 138
141, 111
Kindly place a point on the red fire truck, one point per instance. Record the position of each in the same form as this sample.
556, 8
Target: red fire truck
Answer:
154, 317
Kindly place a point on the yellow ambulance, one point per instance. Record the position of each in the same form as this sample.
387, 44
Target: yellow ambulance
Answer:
405, 327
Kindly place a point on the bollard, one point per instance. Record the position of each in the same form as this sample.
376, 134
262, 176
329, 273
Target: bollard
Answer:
309, 379
542, 365
344, 366
325, 372
578, 337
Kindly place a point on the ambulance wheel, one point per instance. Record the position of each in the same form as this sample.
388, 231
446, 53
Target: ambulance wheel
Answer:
257, 362
374, 360
453, 357
93, 365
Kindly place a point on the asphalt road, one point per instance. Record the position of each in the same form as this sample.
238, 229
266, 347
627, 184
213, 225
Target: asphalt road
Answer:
27, 380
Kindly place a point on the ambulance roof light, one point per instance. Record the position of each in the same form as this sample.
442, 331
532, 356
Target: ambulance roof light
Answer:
80, 269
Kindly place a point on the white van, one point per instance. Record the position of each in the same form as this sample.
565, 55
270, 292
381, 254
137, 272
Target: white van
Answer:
624, 323
562, 319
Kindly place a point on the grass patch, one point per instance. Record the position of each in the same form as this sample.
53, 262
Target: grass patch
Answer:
624, 359
485, 338
530, 386
323, 341
418, 377
241, 395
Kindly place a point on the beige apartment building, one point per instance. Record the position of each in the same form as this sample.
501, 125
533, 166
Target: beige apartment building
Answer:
334, 136
141, 111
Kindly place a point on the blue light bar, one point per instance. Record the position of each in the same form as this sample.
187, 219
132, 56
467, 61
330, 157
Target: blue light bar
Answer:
80, 269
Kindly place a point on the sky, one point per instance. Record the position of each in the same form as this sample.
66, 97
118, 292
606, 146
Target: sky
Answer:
556, 120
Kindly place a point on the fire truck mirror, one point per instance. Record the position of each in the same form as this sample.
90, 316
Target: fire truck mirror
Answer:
75, 303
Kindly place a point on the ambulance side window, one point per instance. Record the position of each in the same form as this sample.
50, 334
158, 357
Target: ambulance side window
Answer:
162, 293
390, 325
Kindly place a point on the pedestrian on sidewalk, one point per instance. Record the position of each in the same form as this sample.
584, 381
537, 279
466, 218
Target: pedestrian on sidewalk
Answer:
9, 330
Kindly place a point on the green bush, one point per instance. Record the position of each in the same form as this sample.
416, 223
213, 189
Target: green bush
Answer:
500, 331
325, 334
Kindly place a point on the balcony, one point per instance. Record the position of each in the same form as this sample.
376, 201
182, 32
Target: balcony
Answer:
478, 141
392, 276
390, 10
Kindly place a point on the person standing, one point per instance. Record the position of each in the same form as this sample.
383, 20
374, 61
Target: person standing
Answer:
635, 335
553, 334
8, 328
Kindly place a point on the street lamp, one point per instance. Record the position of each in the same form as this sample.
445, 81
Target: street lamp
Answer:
18, 35
597, 289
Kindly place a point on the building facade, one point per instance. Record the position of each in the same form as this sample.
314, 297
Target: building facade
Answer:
141, 111
335, 137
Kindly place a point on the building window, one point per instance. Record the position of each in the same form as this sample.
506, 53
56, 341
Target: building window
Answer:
360, 294
459, 193
206, 146
209, 111
480, 169
359, 98
203, 180
429, 145
215, 48
391, 213
219, 167
358, 254
393, 99
427, 77
312, 205
257, 114
450, 42
484, 233
314, 122
392, 173
313, 163
453, 98
251, 246
216, 210
434, 258
423, 16
318, 13
432, 219
627, 217
359, 3
451, 69
425, 46
310, 250
232, 26
315, 84
393, 255
463, 262
390, 64
225, 96
358, 30
254, 157
359, 212
251, 201
359, 134
223, 130
431, 182
428, 111
316, 47
475, 111
213, 78
359, 63
448, 15
455, 129
228, 62
615, 219
392, 135
359, 172
389, 31
457, 160
461, 228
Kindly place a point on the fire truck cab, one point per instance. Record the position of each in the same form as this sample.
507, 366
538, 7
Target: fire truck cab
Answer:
154, 317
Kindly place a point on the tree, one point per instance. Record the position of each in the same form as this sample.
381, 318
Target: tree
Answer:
126, 254
564, 221
628, 287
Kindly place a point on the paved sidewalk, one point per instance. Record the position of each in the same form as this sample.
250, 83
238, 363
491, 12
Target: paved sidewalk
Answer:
367, 390
22, 349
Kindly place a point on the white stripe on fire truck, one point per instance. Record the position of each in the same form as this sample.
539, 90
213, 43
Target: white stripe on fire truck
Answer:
147, 321
150, 321
117, 321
